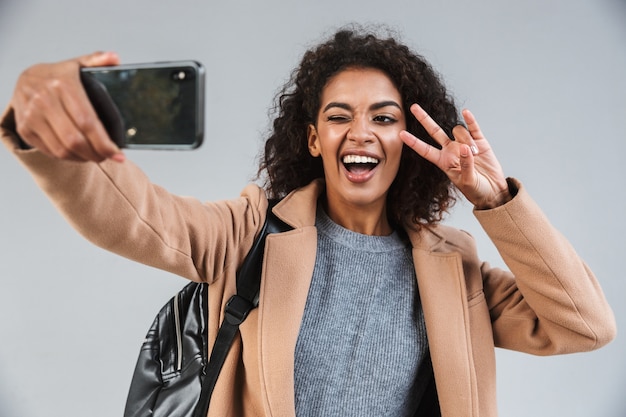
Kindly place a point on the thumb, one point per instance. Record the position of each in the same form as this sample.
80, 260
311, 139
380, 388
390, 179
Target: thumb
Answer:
467, 166
99, 59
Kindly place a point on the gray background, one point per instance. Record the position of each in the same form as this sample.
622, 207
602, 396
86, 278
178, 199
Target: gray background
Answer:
545, 78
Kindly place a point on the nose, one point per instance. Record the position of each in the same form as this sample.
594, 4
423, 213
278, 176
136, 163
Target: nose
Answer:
360, 131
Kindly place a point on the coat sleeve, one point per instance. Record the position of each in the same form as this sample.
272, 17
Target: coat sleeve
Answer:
551, 302
116, 207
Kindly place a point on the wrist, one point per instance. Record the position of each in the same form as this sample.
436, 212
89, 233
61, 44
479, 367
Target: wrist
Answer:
500, 199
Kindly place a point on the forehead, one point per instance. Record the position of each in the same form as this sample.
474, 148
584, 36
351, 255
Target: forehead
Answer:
354, 85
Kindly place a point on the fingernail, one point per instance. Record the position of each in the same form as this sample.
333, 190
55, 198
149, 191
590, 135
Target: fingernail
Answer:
119, 157
474, 150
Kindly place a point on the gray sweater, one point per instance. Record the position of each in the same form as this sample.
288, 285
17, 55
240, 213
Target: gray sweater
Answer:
362, 343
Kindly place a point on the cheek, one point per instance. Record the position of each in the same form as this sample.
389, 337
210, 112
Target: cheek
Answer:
395, 161
394, 150
330, 138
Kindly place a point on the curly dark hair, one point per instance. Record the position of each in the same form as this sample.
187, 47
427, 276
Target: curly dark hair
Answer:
421, 193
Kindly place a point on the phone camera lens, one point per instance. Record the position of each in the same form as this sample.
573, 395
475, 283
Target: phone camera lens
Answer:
182, 74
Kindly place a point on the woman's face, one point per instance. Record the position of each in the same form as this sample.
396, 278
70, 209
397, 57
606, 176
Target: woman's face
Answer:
357, 137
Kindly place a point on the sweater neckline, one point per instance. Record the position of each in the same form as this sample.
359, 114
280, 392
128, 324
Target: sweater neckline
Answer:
366, 243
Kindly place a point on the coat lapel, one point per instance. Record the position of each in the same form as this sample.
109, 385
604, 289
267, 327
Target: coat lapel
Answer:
284, 291
444, 300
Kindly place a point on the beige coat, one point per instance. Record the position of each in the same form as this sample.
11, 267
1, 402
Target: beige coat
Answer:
549, 303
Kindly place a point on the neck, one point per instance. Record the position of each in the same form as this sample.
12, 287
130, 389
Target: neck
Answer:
367, 220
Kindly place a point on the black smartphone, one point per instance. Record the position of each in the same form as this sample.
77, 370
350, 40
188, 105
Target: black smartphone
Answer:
149, 106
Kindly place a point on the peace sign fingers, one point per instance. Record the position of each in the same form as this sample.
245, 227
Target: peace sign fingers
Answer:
467, 160
432, 128
439, 157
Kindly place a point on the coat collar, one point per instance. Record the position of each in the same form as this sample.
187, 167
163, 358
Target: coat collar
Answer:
298, 210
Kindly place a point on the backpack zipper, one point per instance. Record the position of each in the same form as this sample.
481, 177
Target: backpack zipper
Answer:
179, 339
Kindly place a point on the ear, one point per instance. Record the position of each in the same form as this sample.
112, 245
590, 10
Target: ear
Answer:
313, 141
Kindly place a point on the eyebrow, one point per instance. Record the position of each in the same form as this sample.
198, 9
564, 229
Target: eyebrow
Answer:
374, 106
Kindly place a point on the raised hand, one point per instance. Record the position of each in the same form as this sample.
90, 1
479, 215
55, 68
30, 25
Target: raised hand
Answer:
468, 160
53, 113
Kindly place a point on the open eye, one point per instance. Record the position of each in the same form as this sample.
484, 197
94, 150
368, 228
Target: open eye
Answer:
385, 119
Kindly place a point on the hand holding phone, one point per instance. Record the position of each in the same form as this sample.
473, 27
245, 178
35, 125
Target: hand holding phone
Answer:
52, 113
149, 106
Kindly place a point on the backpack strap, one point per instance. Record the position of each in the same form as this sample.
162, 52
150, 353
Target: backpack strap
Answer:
238, 307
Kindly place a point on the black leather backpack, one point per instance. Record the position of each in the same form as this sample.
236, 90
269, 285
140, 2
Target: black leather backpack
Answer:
173, 376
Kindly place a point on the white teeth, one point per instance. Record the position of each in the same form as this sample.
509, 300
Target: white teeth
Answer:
359, 159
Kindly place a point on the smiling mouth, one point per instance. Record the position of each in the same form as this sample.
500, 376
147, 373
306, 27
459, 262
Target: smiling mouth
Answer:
358, 164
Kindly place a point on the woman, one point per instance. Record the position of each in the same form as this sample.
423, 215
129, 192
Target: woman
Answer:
368, 304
